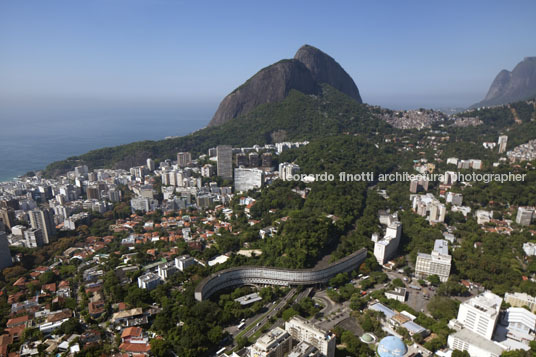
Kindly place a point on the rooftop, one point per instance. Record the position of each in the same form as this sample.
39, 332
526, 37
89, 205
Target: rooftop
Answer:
441, 246
487, 302
479, 341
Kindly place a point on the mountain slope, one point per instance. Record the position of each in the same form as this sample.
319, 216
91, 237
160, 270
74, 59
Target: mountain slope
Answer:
326, 70
297, 117
269, 85
305, 73
508, 87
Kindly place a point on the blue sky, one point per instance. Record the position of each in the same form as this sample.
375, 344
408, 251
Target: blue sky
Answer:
400, 53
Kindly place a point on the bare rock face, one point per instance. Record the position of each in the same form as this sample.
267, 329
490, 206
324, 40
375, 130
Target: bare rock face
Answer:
269, 85
508, 87
304, 73
326, 70
499, 85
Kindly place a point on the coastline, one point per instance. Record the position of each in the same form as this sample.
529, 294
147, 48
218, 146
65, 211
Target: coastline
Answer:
20, 157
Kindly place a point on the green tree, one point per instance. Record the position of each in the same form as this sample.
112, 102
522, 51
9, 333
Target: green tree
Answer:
288, 313
398, 283
458, 353
242, 342
160, 347
434, 280
215, 334
443, 308
47, 277
71, 326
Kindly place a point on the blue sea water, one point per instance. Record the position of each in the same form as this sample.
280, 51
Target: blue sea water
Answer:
32, 136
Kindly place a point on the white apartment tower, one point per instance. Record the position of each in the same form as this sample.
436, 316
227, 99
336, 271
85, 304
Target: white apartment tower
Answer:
287, 170
386, 247
476, 322
246, 179
150, 164
503, 140
437, 263
524, 216
480, 314
305, 331
275, 343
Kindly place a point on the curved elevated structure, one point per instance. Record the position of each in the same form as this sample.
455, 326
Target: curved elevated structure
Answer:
276, 276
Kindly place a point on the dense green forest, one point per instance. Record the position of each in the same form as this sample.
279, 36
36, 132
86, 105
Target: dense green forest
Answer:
313, 227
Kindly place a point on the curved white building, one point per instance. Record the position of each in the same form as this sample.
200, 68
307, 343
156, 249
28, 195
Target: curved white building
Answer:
276, 276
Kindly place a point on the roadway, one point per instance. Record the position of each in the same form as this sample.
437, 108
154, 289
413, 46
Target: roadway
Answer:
272, 312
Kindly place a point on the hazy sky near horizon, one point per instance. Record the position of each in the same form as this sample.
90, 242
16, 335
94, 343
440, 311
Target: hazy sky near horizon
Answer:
400, 53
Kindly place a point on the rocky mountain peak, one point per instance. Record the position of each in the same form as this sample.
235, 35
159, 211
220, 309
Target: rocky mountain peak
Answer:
326, 70
309, 68
508, 87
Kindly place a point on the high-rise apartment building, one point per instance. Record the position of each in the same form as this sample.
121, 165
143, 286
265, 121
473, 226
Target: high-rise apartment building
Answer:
208, 170
305, 331
44, 220
503, 140
253, 159
246, 179
241, 159
386, 247
480, 314
5, 253
184, 159
224, 154
275, 343
93, 193
287, 171
266, 159
150, 164
437, 263
7, 215
475, 325
33, 238
524, 216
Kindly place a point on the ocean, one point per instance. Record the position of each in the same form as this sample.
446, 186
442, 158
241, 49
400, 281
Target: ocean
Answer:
32, 136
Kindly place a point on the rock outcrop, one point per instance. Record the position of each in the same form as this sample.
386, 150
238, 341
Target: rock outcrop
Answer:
508, 87
326, 70
305, 73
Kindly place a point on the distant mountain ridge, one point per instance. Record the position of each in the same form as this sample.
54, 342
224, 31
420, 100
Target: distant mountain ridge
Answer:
309, 68
508, 87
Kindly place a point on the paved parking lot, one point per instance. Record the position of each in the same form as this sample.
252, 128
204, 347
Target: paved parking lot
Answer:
416, 299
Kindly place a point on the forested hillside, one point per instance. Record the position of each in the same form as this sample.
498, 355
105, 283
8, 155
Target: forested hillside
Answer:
298, 117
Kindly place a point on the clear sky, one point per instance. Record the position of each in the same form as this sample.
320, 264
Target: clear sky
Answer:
400, 53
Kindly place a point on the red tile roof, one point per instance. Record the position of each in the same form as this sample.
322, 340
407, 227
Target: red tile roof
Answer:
49, 287
20, 281
135, 347
5, 341
131, 332
21, 320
